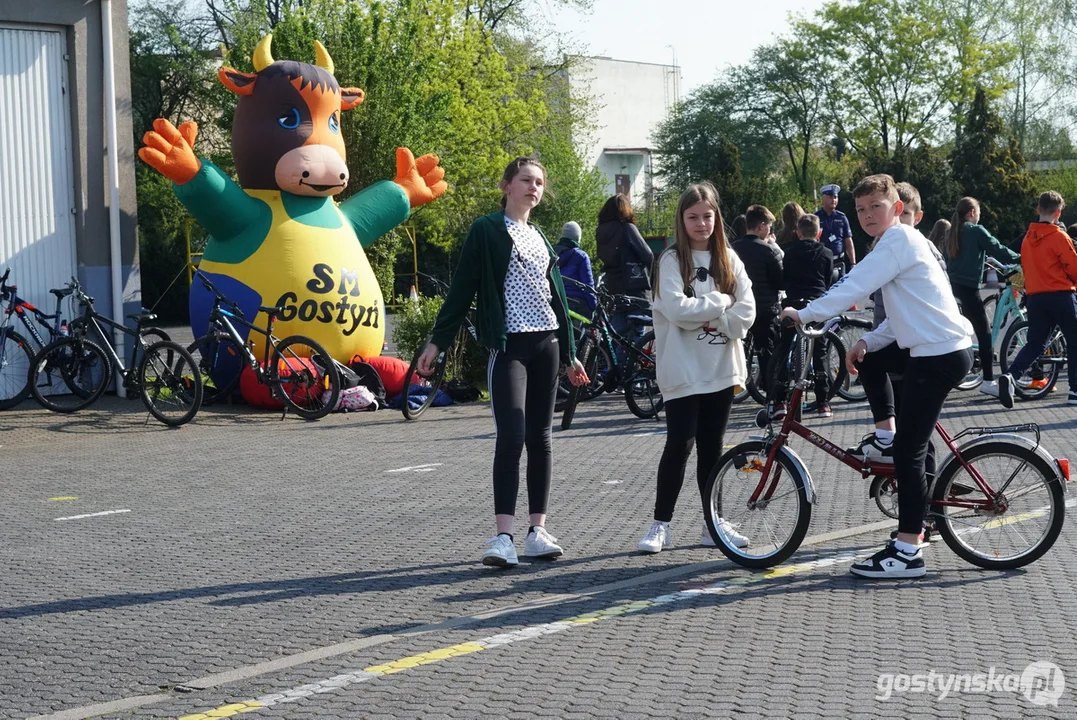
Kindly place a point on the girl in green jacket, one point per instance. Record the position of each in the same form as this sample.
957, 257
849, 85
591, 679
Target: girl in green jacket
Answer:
966, 245
522, 316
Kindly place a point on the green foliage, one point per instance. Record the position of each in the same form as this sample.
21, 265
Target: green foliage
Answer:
989, 166
411, 331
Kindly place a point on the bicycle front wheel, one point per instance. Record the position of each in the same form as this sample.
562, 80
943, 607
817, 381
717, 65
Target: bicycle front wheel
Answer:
1020, 523
16, 358
430, 384
1042, 375
642, 393
775, 523
169, 383
69, 374
851, 330
305, 377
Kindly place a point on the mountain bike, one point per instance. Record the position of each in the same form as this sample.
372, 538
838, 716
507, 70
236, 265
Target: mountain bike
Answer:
1004, 307
70, 373
754, 387
1041, 377
850, 329
982, 491
297, 370
600, 342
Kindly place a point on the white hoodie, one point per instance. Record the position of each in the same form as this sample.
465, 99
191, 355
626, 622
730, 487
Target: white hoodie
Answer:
921, 312
698, 339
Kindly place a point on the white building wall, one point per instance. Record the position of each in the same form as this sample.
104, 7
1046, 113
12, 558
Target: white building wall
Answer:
629, 99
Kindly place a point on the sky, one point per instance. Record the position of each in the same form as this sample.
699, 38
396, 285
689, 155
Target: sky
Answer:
707, 35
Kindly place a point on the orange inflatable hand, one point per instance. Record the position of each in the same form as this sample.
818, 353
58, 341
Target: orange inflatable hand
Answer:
422, 179
170, 151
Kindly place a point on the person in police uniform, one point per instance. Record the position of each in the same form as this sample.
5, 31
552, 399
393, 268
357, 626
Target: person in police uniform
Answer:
836, 233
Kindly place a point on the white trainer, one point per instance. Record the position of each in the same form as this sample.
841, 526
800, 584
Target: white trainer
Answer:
705, 538
500, 552
658, 536
541, 544
990, 388
731, 535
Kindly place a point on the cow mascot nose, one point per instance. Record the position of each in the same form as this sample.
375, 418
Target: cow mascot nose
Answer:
278, 237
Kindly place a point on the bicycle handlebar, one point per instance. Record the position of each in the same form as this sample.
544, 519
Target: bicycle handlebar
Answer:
208, 285
805, 331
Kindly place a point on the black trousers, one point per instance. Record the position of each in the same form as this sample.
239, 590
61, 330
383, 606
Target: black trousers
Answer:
523, 385
1046, 311
925, 383
764, 333
695, 420
972, 307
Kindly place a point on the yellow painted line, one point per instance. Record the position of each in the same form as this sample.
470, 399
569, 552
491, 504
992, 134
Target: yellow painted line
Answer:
226, 711
63, 498
425, 658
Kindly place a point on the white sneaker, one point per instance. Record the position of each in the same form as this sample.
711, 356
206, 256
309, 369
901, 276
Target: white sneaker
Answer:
541, 544
990, 388
659, 536
731, 535
705, 538
501, 552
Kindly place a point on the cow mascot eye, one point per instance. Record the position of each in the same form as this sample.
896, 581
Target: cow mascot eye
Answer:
289, 119
334, 124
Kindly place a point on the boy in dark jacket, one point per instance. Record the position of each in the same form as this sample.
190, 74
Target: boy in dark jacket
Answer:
763, 263
808, 271
575, 265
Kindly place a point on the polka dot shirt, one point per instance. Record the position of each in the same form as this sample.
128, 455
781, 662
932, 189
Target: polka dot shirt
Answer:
527, 288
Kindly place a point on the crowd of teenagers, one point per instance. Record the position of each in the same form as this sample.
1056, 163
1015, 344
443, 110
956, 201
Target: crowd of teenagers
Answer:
708, 293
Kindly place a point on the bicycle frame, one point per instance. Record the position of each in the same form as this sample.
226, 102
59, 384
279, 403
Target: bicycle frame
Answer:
18, 307
221, 319
867, 468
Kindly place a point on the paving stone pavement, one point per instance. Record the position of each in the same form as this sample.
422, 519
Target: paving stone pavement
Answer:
247, 539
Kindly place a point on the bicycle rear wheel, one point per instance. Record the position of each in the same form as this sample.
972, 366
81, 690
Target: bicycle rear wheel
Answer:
431, 383
1021, 524
642, 394
775, 525
585, 355
305, 377
1043, 374
69, 374
16, 358
169, 383
218, 361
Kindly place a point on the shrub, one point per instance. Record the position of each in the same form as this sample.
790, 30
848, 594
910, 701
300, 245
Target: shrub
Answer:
411, 330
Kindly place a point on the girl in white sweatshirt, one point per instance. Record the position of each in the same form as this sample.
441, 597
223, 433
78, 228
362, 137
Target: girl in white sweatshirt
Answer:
924, 338
703, 308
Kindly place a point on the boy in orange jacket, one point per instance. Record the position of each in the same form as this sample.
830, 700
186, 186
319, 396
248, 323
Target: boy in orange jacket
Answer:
1050, 265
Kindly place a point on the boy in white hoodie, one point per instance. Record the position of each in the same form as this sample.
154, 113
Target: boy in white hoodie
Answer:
923, 338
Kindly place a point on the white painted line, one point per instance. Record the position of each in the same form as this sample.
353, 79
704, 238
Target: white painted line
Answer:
611, 482
89, 515
416, 468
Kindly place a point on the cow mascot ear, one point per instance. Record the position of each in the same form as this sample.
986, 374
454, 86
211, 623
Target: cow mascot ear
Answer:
351, 98
240, 83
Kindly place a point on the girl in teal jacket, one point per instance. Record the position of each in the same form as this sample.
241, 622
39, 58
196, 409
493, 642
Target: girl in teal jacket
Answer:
966, 246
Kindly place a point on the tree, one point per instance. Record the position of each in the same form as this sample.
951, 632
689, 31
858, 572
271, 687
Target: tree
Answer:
890, 74
989, 166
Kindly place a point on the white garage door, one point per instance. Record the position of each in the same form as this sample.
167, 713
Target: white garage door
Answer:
37, 221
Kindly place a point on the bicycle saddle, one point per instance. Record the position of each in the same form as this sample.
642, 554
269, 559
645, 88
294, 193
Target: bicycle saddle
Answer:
62, 292
271, 310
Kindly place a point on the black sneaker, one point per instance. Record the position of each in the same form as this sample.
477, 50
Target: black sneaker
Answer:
871, 448
891, 563
1072, 398
1005, 390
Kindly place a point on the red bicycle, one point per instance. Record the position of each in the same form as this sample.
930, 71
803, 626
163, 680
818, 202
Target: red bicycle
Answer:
997, 500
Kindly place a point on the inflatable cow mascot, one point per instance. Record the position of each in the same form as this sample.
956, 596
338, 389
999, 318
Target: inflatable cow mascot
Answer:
278, 238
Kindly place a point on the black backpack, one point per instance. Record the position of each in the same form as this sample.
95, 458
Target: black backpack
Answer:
368, 377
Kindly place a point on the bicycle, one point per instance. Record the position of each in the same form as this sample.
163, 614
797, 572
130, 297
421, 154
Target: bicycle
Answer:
297, 369
71, 373
754, 387
834, 351
16, 352
637, 374
850, 329
1004, 307
764, 488
1042, 376
450, 356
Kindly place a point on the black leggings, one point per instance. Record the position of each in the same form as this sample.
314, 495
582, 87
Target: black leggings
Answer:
523, 385
924, 385
698, 420
972, 307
